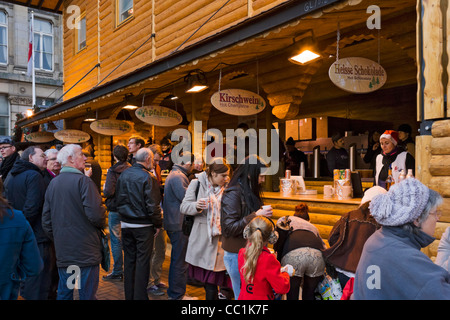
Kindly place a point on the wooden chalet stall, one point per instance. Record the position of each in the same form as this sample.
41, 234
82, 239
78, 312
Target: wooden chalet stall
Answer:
143, 55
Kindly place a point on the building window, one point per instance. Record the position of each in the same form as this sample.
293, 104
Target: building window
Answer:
4, 116
3, 38
80, 34
43, 45
124, 10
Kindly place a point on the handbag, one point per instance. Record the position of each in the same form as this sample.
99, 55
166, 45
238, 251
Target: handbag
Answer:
188, 221
106, 260
329, 288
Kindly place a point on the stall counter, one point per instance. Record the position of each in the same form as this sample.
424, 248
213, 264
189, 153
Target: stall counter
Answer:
323, 212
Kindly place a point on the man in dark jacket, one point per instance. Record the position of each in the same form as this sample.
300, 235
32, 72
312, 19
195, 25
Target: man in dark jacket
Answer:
25, 190
9, 155
72, 216
109, 191
175, 188
138, 202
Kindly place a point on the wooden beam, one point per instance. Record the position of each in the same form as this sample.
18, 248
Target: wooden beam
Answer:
433, 46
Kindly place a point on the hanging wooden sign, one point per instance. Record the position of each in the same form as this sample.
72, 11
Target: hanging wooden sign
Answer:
111, 127
159, 116
357, 75
40, 137
238, 102
72, 136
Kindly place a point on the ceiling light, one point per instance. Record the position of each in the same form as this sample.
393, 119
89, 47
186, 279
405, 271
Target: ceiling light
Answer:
304, 51
128, 102
90, 115
51, 126
130, 107
124, 115
196, 81
304, 57
171, 97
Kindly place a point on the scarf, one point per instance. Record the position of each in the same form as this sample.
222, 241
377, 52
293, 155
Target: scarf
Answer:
387, 161
7, 164
214, 196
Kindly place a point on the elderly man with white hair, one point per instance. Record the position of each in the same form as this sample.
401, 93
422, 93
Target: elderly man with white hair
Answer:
72, 216
53, 166
138, 203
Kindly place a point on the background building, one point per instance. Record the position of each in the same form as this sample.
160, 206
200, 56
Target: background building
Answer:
15, 85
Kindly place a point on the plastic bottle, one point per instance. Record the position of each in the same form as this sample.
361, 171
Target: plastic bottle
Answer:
410, 174
389, 180
401, 176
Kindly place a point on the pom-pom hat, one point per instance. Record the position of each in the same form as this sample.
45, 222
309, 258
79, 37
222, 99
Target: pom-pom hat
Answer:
402, 204
371, 193
391, 135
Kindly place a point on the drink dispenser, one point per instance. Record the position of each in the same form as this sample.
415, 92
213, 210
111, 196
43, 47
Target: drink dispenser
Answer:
352, 157
316, 162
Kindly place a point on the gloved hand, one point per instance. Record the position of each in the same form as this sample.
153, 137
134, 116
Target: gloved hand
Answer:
288, 269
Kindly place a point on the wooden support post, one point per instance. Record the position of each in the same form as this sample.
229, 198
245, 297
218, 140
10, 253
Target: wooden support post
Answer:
433, 46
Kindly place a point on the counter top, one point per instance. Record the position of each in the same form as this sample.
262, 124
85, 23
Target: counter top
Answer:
309, 197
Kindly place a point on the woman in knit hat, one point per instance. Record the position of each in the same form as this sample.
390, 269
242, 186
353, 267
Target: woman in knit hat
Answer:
392, 267
392, 158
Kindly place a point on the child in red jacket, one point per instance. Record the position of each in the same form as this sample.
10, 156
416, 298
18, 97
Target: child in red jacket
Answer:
261, 273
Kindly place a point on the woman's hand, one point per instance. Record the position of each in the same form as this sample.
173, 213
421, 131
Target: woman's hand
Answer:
202, 204
265, 212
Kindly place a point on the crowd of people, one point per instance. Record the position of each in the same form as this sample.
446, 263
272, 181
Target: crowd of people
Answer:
52, 214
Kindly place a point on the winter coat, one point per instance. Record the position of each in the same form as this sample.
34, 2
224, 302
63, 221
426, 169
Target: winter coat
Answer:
109, 189
201, 251
235, 215
347, 239
392, 267
175, 188
138, 196
7, 164
72, 216
19, 254
267, 279
25, 189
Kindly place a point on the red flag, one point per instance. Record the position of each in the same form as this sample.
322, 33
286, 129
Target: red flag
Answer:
30, 52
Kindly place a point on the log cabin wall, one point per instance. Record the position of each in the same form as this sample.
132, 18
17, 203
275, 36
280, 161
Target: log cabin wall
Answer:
171, 22
433, 151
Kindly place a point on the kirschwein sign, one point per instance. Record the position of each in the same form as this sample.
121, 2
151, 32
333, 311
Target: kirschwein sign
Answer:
238, 102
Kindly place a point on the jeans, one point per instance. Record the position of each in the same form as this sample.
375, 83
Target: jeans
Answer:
178, 265
116, 242
40, 287
137, 251
88, 283
231, 264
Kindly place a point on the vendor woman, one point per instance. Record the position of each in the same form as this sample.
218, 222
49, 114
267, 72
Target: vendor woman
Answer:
391, 157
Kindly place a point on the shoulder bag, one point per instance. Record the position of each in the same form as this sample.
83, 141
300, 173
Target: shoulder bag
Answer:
188, 221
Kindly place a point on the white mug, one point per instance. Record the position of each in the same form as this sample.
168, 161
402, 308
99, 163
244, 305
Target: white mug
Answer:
328, 191
346, 192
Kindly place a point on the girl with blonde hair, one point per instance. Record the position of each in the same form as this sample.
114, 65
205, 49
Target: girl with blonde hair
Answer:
261, 273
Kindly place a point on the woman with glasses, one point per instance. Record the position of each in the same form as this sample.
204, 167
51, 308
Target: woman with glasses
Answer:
392, 267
